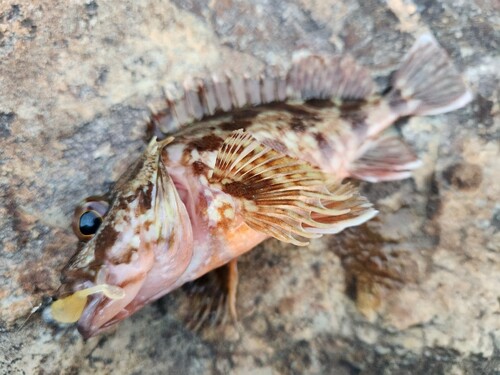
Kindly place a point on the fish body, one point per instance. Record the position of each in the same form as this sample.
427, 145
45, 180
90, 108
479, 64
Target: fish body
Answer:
266, 158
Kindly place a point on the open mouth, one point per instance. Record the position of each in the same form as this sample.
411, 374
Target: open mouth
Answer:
85, 306
70, 308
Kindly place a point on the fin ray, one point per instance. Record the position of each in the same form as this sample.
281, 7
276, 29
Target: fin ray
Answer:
427, 83
329, 77
311, 77
280, 195
212, 297
387, 158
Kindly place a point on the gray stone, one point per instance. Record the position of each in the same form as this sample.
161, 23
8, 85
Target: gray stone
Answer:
416, 290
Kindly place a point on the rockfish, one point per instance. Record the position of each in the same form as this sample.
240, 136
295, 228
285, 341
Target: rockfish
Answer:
240, 160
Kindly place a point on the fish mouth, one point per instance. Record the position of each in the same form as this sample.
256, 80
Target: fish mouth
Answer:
101, 313
139, 283
85, 326
89, 325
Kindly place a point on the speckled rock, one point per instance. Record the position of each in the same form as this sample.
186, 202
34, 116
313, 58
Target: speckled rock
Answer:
417, 290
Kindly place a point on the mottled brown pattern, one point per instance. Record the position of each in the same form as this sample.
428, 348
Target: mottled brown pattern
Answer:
297, 125
124, 201
248, 114
199, 168
299, 111
352, 105
123, 258
324, 146
319, 103
356, 113
462, 325
254, 182
235, 124
245, 118
239, 189
107, 237
224, 222
145, 197
209, 142
302, 116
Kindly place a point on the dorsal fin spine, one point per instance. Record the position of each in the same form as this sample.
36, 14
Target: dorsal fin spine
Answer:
313, 77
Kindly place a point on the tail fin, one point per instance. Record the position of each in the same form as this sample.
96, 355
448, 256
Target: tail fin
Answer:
427, 83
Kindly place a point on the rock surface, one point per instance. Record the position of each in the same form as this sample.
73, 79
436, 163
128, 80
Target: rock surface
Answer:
415, 291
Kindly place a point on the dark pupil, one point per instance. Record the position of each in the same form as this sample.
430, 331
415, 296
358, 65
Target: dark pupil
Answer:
89, 223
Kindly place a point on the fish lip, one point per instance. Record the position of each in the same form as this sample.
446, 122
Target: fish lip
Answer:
85, 326
90, 322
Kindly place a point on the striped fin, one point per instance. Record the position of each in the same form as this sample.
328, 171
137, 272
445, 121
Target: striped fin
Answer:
311, 77
203, 97
329, 77
360, 211
212, 298
284, 197
427, 83
386, 158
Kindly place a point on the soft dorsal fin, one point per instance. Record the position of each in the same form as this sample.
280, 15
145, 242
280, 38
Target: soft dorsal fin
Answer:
329, 77
311, 77
281, 196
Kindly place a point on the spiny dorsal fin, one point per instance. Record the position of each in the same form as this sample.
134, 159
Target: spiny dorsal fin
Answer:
202, 97
311, 77
385, 158
281, 195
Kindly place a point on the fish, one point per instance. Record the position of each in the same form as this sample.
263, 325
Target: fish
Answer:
236, 160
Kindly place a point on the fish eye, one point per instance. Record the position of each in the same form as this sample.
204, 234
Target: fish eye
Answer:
88, 217
89, 223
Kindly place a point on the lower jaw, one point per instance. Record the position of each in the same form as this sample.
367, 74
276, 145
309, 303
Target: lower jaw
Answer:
85, 326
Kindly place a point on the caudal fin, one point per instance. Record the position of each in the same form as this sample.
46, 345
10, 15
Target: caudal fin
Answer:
427, 83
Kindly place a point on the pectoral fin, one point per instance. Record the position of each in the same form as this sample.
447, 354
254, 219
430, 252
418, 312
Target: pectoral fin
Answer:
284, 197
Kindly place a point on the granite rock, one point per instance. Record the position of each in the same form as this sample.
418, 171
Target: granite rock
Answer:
417, 290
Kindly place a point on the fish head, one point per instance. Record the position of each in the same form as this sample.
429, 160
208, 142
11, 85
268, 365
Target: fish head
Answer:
136, 245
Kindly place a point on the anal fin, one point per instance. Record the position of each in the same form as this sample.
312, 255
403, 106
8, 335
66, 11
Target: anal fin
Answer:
284, 197
386, 158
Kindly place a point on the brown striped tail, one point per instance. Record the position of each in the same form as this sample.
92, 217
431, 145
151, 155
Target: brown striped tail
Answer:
427, 83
